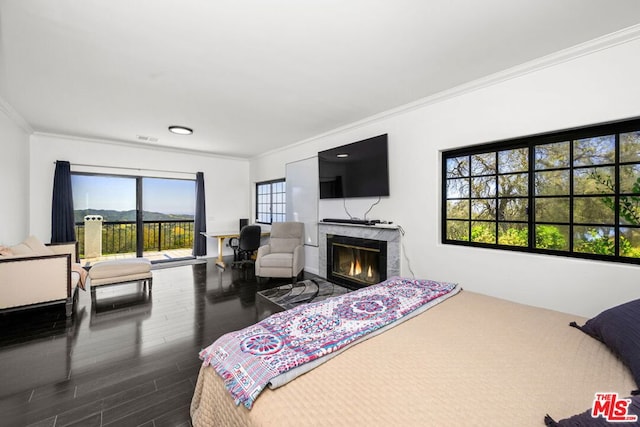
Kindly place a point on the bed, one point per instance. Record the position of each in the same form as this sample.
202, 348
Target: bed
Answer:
470, 360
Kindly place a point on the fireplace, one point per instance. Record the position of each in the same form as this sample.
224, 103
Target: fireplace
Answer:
356, 262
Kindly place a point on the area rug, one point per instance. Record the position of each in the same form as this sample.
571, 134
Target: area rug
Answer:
302, 292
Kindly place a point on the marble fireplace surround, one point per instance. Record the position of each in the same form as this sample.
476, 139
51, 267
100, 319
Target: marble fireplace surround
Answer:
389, 234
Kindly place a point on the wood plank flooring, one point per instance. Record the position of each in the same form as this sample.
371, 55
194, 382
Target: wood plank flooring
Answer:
130, 360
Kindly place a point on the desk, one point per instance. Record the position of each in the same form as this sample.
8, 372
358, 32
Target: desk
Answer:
227, 235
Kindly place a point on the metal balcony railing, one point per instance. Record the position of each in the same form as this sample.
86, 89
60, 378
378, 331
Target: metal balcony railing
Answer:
120, 236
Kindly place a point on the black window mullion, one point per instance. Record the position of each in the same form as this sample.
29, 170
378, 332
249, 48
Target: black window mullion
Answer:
571, 197
496, 226
271, 191
616, 197
139, 219
470, 225
531, 197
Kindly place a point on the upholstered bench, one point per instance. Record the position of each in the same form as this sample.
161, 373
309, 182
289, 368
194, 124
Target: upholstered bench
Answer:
120, 271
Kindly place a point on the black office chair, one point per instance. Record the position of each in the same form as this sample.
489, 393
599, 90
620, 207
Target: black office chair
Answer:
245, 245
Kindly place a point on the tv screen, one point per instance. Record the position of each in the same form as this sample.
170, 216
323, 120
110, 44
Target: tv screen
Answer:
359, 169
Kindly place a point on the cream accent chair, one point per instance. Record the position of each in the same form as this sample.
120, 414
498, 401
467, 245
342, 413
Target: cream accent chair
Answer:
284, 255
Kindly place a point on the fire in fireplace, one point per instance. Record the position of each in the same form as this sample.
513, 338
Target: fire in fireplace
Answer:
355, 262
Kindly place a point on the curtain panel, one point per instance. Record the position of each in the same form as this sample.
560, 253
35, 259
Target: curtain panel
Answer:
200, 220
62, 219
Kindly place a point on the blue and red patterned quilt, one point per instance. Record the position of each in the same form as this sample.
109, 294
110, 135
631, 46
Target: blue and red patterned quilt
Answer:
286, 344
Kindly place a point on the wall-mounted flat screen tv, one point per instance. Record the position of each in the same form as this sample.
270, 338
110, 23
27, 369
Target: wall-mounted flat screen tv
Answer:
359, 169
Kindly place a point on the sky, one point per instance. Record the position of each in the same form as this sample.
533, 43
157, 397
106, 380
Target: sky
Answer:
169, 196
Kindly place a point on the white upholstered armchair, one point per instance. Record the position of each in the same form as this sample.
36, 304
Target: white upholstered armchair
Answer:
284, 255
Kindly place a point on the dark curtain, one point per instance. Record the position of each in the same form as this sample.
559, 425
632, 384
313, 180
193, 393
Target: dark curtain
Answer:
200, 221
62, 220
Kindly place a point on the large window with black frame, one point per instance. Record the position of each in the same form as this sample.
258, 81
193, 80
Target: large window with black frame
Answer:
573, 193
271, 201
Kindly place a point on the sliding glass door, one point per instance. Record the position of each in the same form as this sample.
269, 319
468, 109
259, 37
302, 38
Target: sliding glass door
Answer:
105, 215
129, 216
168, 214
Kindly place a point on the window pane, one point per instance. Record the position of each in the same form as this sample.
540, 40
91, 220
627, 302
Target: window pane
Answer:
513, 185
167, 199
594, 180
458, 209
594, 240
512, 209
483, 209
516, 160
483, 186
483, 232
552, 209
458, 167
554, 237
114, 198
594, 151
95, 194
552, 183
630, 179
551, 156
483, 164
629, 210
630, 147
593, 210
458, 230
457, 188
176, 197
513, 234
630, 242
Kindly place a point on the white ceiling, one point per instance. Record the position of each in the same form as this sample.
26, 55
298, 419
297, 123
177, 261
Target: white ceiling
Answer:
250, 76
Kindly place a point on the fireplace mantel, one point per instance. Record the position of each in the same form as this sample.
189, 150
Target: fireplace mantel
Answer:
388, 233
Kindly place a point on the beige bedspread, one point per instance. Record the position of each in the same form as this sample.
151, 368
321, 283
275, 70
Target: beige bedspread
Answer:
473, 360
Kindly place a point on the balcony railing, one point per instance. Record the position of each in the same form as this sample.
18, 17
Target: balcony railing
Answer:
120, 236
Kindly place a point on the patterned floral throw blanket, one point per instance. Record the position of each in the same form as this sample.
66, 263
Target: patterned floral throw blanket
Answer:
289, 343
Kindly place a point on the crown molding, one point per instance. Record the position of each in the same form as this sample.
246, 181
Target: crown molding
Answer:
129, 144
13, 115
607, 41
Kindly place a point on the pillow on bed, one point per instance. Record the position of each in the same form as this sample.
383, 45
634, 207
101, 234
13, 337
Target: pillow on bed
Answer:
619, 329
586, 420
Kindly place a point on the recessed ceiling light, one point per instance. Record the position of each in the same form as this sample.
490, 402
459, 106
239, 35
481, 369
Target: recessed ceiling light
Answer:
180, 130
342, 155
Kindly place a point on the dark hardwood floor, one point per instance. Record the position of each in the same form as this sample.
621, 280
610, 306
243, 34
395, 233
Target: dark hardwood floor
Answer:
129, 360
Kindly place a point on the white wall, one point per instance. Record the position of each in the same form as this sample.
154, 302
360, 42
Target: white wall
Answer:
588, 89
14, 182
226, 179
